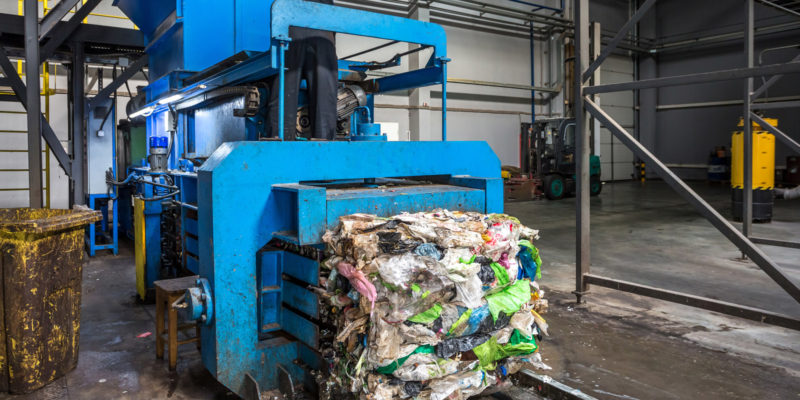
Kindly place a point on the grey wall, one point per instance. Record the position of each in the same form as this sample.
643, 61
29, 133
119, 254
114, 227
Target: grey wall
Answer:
687, 136
615, 159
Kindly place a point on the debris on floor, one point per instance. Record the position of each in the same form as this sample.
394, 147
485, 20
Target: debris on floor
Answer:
435, 305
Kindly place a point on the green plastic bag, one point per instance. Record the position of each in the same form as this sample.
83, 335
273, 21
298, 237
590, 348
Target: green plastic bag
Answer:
500, 274
461, 319
490, 351
428, 316
394, 365
510, 299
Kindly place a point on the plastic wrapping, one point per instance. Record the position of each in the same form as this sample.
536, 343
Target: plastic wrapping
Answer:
510, 298
427, 304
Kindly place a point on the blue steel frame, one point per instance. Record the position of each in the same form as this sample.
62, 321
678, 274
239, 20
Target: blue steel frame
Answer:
91, 199
91, 229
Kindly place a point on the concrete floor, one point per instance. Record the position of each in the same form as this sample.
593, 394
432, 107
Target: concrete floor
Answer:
615, 346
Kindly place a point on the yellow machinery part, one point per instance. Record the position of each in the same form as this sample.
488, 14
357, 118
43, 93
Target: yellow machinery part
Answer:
140, 246
763, 157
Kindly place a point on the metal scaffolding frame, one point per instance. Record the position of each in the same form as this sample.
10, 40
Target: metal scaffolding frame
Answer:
584, 107
41, 41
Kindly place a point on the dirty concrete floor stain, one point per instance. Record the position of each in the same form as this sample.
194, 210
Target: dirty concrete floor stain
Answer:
616, 346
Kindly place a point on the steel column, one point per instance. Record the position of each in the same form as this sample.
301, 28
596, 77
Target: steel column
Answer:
778, 133
77, 123
34, 106
703, 77
747, 146
742, 242
582, 249
617, 39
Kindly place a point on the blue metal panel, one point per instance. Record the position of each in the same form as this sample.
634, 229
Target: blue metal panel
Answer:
301, 328
408, 80
146, 14
308, 220
387, 202
493, 187
208, 32
192, 264
301, 299
307, 14
302, 268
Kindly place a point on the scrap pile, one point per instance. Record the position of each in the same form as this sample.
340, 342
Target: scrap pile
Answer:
435, 305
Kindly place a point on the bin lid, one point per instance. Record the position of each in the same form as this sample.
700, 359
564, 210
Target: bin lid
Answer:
30, 220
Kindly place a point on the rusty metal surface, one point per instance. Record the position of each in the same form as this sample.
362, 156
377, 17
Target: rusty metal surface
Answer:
41, 260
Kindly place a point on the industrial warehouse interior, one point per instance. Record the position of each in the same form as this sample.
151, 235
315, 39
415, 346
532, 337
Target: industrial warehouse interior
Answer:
399, 199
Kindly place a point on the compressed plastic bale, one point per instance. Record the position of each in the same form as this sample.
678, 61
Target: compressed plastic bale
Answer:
429, 250
384, 342
418, 334
523, 320
395, 364
464, 274
427, 316
449, 347
460, 386
510, 298
394, 243
423, 366
491, 351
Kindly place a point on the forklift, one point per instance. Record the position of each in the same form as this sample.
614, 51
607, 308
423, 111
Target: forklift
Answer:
547, 155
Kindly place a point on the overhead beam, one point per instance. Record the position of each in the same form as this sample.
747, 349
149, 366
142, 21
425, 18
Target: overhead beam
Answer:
737, 238
611, 46
21, 93
771, 81
63, 31
704, 77
53, 17
109, 89
777, 132
775, 104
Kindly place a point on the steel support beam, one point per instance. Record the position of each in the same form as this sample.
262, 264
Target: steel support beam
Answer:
775, 242
703, 77
737, 238
20, 91
33, 103
54, 16
62, 32
778, 133
77, 101
779, 7
109, 90
582, 249
705, 303
771, 81
775, 104
617, 39
747, 127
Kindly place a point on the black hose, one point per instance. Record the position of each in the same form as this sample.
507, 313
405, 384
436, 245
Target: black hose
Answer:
162, 197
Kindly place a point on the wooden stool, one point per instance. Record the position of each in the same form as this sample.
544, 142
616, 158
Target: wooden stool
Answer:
168, 291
